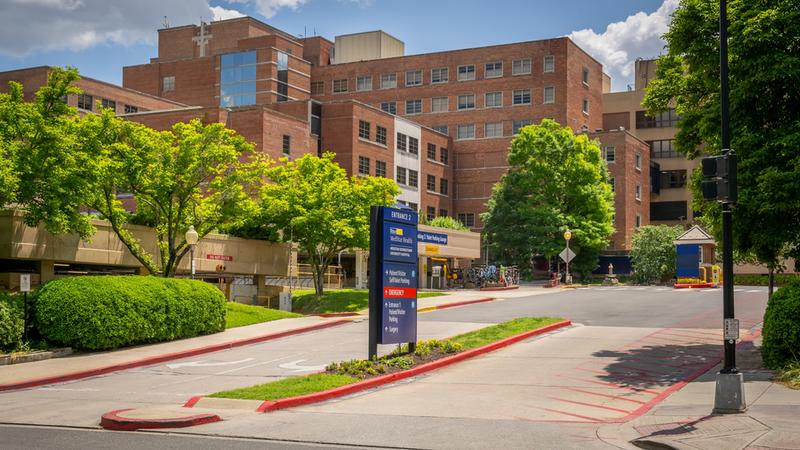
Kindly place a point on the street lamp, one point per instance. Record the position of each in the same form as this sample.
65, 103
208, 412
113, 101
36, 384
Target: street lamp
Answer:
191, 238
567, 237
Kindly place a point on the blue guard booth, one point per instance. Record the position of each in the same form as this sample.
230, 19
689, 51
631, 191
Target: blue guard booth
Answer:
695, 250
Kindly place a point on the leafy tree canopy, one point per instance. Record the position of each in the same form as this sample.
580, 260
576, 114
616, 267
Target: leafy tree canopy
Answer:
556, 180
205, 176
312, 201
42, 167
764, 48
653, 252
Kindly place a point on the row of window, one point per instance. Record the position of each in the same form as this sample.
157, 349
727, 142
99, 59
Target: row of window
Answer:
404, 142
443, 154
403, 175
664, 119
430, 213
490, 130
86, 101
438, 75
663, 149
467, 101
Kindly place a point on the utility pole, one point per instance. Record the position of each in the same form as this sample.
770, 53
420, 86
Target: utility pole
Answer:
729, 395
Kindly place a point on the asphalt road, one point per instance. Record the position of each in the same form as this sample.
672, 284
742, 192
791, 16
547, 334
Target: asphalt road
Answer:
643, 307
616, 320
21, 437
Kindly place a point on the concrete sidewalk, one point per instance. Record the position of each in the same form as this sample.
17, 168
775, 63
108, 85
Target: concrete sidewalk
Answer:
685, 421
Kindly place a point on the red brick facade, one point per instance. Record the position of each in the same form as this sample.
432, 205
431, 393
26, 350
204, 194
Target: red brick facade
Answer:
479, 161
627, 174
479, 99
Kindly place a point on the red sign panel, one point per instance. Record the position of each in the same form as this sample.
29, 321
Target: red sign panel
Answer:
399, 292
219, 257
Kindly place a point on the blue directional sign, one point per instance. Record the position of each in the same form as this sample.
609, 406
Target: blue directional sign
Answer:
433, 238
393, 312
399, 242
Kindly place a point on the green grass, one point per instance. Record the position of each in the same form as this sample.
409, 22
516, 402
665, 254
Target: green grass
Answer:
487, 335
288, 387
301, 385
790, 375
239, 315
342, 300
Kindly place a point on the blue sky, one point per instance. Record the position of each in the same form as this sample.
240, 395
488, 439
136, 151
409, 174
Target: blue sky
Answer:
100, 36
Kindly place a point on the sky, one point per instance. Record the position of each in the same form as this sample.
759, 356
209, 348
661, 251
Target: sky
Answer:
99, 37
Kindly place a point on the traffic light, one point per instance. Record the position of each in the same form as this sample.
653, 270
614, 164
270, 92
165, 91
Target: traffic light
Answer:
719, 173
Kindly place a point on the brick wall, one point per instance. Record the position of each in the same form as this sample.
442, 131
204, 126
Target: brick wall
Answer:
626, 177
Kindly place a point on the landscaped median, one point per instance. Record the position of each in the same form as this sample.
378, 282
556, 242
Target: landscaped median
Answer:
347, 377
338, 301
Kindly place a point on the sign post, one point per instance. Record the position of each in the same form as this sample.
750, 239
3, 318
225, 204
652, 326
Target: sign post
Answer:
392, 278
567, 237
25, 287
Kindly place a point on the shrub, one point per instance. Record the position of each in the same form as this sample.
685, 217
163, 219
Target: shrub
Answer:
448, 222
653, 252
99, 313
10, 327
782, 327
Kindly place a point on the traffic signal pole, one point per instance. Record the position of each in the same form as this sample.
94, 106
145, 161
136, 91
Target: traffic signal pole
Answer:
729, 395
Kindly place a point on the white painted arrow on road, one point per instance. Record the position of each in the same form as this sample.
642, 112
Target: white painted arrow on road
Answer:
296, 367
205, 364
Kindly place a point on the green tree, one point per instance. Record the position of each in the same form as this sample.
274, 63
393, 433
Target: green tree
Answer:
653, 252
205, 176
556, 180
765, 119
447, 222
43, 171
312, 201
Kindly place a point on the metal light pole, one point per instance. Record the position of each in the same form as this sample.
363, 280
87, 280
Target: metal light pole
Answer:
567, 237
191, 238
729, 395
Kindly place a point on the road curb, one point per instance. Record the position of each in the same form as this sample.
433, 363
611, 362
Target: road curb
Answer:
695, 286
113, 420
290, 402
166, 357
455, 304
499, 288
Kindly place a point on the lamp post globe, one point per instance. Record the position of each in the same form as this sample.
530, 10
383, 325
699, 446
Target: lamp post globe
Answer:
191, 238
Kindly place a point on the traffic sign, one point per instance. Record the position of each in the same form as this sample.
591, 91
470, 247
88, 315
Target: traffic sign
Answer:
567, 255
24, 282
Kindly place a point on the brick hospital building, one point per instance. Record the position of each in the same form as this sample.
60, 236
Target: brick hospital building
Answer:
439, 123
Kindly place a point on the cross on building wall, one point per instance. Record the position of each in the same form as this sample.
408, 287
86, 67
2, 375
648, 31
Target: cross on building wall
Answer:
202, 39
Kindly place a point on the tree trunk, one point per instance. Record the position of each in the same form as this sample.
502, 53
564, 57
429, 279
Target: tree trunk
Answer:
319, 279
771, 283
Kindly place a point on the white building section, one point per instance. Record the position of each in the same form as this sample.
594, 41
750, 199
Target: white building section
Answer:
407, 161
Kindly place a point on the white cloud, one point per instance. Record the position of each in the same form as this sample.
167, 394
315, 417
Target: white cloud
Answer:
268, 8
622, 42
220, 13
27, 26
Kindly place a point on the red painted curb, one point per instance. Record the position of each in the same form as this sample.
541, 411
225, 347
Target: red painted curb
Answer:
290, 402
192, 401
337, 314
166, 357
112, 421
695, 286
454, 304
503, 288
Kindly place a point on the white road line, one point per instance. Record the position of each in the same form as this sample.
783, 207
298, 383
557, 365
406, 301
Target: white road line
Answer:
754, 290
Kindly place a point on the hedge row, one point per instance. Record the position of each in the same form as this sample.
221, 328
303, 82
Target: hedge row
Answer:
781, 344
99, 313
10, 324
